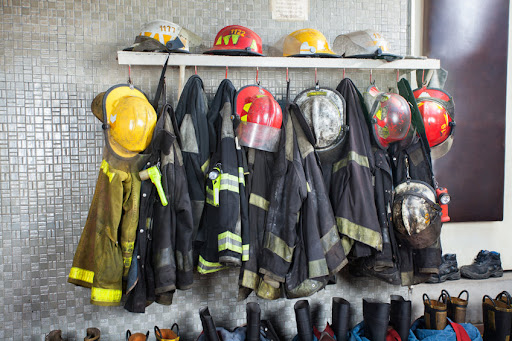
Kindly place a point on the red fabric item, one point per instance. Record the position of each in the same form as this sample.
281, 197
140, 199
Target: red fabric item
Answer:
392, 335
460, 332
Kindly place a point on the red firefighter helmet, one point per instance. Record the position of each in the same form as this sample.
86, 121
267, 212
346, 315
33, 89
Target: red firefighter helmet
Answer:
260, 118
437, 109
390, 116
237, 40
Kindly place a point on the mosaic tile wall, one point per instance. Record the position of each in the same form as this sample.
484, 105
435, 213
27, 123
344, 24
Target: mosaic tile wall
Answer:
55, 57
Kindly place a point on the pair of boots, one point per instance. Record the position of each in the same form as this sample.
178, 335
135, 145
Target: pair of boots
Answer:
160, 334
436, 312
378, 315
340, 321
497, 316
255, 328
93, 334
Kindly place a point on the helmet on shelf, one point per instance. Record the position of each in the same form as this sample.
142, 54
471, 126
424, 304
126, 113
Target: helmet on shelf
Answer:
238, 41
307, 42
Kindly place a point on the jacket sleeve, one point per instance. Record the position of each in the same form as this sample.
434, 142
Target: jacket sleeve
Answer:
184, 228
288, 192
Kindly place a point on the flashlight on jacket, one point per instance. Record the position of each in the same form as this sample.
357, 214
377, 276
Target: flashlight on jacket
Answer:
215, 176
154, 174
443, 198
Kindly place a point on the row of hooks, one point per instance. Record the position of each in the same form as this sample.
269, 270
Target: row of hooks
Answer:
130, 81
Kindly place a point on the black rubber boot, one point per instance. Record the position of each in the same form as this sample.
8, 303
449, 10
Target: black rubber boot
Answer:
435, 313
376, 319
456, 306
303, 320
209, 329
340, 318
448, 270
486, 264
497, 316
400, 316
253, 321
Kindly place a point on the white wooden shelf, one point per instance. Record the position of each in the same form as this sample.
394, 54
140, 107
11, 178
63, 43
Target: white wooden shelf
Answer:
183, 60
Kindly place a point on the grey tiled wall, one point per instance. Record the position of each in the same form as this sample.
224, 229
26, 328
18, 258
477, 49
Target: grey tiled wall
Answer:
55, 56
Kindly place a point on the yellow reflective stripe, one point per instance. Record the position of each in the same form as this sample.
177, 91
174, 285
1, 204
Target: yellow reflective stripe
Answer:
352, 156
231, 188
245, 253
229, 182
250, 279
308, 187
205, 267
127, 261
330, 239
318, 268
105, 168
127, 246
347, 244
241, 175
359, 233
230, 241
279, 247
259, 201
81, 275
205, 165
105, 295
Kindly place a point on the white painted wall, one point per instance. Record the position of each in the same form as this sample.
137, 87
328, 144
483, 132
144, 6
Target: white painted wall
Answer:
466, 239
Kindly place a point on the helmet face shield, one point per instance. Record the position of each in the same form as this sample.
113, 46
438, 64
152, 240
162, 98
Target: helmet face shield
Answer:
416, 215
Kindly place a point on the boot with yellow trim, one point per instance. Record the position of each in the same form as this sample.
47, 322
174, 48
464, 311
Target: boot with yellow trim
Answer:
54, 335
497, 317
435, 313
168, 334
136, 336
93, 334
456, 306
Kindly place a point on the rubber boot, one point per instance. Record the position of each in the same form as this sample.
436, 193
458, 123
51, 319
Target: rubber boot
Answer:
136, 336
456, 306
167, 334
435, 313
93, 334
54, 335
400, 316
303, 320
253, 321
209, 329
376, 319
497, 316
340, 318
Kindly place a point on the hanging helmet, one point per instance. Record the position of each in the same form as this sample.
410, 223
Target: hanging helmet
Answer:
129, 120
166, 36
260, 118
390, 116
363, 44
416, 215
437, 109
307, 42
324, 111
238, 41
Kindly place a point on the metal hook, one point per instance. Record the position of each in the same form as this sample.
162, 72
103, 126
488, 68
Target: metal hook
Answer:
423, 78
371, 76
343, 73
130, 81
257, 72
226, 73
397, 75
287, 78
195, 69
316, 80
